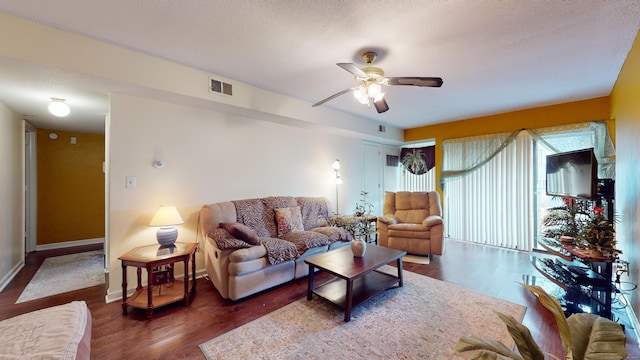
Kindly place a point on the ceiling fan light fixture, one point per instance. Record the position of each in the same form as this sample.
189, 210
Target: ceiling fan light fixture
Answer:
373, 90
369, 81
58, 107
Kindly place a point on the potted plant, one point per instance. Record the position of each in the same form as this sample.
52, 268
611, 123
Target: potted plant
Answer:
598, 235
361, 214
566, 220
357, 225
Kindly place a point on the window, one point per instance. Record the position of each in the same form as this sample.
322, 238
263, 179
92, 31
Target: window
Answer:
494, 185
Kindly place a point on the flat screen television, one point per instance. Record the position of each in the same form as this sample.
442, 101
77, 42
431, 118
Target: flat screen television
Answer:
573, 174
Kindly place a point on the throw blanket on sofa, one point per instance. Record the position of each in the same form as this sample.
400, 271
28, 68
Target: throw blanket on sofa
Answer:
279, 250
305, 240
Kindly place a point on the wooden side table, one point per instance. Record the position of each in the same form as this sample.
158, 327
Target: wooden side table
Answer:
151, 258
373, 220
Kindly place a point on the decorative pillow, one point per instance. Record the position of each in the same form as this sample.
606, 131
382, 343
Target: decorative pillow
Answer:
242, 232
288, 219
224, 240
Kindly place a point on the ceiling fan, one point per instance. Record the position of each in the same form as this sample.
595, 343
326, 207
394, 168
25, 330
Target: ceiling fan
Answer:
370, 79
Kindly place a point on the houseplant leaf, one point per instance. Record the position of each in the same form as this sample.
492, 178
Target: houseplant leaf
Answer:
552, 304
522, 336
472, 347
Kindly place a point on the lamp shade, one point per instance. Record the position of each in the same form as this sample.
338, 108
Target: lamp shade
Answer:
165, 217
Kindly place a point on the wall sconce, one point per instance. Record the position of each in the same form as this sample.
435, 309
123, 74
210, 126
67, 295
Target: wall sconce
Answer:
58, 107
336, 166
165, 217
158, 159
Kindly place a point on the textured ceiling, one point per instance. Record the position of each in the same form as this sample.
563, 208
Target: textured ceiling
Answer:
494, 55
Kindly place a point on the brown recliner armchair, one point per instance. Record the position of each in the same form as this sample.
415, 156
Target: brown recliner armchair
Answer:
412, 221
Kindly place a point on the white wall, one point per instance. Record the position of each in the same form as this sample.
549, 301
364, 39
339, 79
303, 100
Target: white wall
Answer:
11, 195
211, 157
254, 143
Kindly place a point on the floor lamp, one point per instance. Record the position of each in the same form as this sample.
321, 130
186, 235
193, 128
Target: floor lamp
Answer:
336, 167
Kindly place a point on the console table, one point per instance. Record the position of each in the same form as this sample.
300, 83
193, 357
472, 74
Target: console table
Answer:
587, 280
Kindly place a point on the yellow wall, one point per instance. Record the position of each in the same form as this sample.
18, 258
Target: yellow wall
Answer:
567, 113
71, 202
625, 109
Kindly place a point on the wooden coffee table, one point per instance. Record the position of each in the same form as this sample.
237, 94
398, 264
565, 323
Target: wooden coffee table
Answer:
357, 279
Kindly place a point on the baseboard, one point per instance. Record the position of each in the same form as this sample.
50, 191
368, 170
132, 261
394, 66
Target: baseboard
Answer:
12, 274
633, 319
68, 244
117, 295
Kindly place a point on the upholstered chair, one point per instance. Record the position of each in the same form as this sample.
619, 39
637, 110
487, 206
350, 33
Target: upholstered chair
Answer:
412, 221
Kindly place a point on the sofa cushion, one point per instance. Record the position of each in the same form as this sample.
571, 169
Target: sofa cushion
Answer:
224, 240
412, 216
242, 232
305, 240
248, 254
245, 267
334, 233
288, 219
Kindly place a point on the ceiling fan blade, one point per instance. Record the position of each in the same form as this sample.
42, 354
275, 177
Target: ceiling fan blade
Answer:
332, 96
381, 105
352, 68
415, 81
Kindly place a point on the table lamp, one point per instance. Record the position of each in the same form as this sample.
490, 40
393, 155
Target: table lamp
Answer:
165, 217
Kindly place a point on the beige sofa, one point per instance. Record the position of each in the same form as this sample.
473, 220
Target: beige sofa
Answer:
255, 244
412, 221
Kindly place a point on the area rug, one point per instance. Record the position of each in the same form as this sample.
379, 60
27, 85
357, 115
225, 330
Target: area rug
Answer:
425, 260
424, 319
65, 273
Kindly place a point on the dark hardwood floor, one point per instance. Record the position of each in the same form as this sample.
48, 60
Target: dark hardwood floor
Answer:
176, 331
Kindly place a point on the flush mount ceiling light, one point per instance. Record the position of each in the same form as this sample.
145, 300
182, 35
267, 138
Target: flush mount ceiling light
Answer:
58, 107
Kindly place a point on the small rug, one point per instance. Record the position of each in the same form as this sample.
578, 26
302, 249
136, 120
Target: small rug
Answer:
425, 260
65, 273
424, 319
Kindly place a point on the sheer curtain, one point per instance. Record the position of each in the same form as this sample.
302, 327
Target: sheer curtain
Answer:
424, 182
493, 204
489, 180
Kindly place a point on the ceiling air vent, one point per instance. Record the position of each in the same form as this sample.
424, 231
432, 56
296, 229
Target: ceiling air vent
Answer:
219, 87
